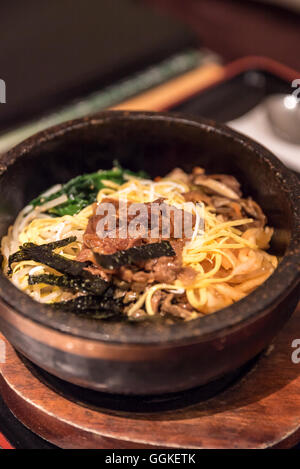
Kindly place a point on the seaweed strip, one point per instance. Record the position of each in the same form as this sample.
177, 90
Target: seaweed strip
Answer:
43, 254
60, 243
75, 278
62, 281
55, 261
24, 255
134, 255
94, 306
18, 256
88, 283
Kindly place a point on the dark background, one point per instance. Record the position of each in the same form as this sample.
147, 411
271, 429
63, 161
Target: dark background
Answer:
53, 51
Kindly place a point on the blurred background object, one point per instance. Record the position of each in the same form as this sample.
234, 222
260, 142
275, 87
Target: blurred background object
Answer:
76, 58
294, 4
236, 28
51, 52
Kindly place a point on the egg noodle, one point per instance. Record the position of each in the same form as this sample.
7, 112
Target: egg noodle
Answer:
229, 263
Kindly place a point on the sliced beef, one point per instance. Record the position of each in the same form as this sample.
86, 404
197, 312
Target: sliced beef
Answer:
229, 181
180, 308
253, 209
230, 210
237, 209
156, 300
221, 184
163, 269
130, 296
187, 276
197, 196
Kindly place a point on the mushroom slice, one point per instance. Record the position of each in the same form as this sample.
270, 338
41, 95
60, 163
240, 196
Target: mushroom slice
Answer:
215, 186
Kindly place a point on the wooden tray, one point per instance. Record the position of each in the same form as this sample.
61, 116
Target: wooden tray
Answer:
262, 410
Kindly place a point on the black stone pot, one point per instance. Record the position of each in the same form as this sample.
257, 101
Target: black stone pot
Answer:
150, 358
